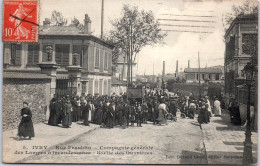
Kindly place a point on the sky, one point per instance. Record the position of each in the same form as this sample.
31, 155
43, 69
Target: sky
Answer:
196, 27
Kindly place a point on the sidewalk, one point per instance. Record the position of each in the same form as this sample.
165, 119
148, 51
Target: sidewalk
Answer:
46, 137
224, 141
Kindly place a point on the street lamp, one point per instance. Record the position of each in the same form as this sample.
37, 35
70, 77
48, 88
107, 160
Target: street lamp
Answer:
249, 72
49, 51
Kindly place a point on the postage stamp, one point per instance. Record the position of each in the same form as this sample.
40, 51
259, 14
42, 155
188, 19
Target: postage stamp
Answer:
20, 20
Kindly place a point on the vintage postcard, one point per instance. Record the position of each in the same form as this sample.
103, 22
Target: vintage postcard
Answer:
130, 81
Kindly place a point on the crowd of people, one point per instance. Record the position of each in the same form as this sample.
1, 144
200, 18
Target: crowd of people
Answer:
110, 111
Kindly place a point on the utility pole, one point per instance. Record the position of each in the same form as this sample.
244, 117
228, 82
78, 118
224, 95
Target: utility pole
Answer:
102, 19
199, 74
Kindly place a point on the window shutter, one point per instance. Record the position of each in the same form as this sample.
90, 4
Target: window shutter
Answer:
85, 57
36, 53
66, 51
101, 60
58, 53
18, 54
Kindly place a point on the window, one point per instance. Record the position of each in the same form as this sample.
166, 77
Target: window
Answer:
62, 54
210, 76
249, 44
230, 49
96, 87
105, 88
97, 59
217, 76
78, 49
16, 53
33, 54
106, 60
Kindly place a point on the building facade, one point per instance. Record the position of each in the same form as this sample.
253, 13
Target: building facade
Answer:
206, 75
241, 45
66, 60
241, 41
83, 61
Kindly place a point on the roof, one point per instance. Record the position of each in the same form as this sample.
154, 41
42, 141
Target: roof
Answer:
22, 76
243, 19
68, 31
203, 70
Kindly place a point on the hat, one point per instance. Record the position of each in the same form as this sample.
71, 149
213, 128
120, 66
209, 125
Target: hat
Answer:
25, 103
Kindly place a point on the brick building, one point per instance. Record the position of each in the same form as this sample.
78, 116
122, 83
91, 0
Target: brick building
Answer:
77, 63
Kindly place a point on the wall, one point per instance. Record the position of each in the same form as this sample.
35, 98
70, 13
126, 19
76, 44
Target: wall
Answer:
35, 92
118, 89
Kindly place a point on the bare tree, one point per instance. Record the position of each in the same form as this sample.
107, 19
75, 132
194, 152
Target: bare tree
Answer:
58, 19
133, 31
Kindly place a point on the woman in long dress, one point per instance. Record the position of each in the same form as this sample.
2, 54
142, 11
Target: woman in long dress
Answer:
162, 113
217, 107
25, 128
67, 119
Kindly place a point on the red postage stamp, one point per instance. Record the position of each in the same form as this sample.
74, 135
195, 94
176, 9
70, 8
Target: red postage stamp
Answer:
20, 20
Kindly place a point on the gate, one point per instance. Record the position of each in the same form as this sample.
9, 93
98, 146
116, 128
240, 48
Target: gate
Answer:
63, 87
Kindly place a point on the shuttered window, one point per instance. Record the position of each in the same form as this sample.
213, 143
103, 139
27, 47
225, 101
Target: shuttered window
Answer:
62, 54
106, 61
77, 50
97, 59
105, 87
96, 87
33, 54
16, 53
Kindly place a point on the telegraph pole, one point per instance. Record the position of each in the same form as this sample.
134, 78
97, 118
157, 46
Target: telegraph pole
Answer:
102, 19
199, 74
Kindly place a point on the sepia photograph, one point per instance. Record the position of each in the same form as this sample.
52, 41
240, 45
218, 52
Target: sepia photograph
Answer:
130, 82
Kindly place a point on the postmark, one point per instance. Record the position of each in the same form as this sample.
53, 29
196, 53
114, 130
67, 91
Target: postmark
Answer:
20, 22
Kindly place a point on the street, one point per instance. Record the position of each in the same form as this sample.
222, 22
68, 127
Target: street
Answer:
177, 143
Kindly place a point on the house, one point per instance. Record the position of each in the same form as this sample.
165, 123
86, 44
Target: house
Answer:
241, 44
209, 74
243, 32
122, 67
66, 60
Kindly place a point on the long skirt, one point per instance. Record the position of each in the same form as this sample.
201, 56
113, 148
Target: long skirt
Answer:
53, 119
86, 118
161, 118
25, 128
67, 120
109, 121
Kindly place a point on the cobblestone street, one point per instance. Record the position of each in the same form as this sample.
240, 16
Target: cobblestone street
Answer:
177, 143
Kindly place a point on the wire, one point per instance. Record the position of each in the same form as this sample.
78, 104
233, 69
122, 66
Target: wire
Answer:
186, 15
186, 31
187, 25
185, 20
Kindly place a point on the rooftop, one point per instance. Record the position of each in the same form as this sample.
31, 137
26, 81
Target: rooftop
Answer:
68, 31
203, 70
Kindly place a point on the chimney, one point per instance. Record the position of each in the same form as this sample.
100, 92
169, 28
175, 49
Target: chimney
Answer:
177, 66
188, 63
87, 24
46, 23
163, 69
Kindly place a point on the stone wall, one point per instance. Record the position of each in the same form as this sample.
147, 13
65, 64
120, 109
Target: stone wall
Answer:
15, 91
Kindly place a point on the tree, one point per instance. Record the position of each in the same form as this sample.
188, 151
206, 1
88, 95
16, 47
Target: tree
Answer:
133, 31
58, 19
248, 8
